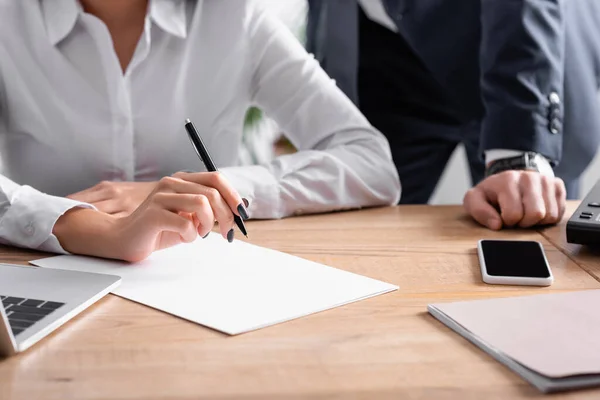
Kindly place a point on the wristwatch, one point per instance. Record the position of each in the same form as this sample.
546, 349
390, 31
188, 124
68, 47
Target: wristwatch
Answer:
528, 161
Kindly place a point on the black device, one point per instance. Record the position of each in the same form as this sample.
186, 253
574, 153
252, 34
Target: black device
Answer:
584, 225
514, 262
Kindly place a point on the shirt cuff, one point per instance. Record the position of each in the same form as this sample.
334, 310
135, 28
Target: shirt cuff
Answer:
258, 185
30, 218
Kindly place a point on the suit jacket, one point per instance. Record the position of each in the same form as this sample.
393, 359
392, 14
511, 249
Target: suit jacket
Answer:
501, 60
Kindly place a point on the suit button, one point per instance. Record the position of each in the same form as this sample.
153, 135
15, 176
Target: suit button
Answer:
555, 126
554, 98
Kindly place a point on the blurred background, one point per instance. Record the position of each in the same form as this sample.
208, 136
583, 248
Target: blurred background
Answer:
260, 131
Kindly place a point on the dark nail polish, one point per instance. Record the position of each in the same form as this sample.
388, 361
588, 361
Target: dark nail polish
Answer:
242, 210
230, 236
205, 236
246, 202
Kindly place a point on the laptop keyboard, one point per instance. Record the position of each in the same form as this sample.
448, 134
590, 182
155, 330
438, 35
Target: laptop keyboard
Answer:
22, 313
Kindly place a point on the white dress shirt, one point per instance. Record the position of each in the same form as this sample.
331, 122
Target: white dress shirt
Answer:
375, 10
70, 118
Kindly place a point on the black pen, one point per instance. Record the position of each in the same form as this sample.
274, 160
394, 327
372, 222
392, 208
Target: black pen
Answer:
208, 163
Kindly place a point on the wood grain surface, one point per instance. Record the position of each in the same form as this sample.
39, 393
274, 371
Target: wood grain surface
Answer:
386, 347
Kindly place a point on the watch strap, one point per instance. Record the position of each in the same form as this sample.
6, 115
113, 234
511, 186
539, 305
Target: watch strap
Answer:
526, 161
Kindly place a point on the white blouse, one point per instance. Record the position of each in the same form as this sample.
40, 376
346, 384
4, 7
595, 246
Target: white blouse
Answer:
70, 118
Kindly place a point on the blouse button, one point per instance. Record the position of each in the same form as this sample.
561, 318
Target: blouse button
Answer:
29, 229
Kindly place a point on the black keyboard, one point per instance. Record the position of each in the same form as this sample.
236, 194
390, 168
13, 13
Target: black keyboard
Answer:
22, 313
584, 225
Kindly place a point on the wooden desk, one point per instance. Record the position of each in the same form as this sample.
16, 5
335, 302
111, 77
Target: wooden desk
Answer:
386, 347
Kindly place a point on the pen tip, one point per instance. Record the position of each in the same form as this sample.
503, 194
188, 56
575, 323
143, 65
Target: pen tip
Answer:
187, 121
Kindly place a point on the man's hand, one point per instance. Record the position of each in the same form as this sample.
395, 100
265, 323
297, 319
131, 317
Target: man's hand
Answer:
116, 198
517, 198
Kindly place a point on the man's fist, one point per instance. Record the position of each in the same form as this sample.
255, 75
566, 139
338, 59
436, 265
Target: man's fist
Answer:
517, 198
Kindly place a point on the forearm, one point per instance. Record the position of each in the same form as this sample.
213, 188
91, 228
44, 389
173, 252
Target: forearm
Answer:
87, 231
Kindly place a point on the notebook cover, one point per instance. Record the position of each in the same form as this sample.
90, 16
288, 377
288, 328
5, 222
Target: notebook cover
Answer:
553, 340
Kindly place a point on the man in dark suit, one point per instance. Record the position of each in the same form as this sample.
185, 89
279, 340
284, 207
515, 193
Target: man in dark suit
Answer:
515, 81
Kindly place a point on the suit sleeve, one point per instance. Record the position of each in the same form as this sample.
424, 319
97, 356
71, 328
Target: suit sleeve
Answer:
521, 61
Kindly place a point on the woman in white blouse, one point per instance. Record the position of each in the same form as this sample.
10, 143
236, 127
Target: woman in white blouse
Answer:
98, 91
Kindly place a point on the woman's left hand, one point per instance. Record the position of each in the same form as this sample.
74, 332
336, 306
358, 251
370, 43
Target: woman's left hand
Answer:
116, 198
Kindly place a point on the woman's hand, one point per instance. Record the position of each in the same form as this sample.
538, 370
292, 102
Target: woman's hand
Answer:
178, 210
116, 198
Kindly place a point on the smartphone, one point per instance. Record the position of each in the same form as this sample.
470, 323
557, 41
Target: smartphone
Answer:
514, 262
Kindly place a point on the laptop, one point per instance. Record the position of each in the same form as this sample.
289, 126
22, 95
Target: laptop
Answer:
36, 301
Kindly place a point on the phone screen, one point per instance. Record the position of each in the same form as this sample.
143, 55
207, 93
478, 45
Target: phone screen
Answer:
514, 258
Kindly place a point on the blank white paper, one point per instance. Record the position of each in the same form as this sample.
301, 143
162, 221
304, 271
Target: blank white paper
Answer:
230, 287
